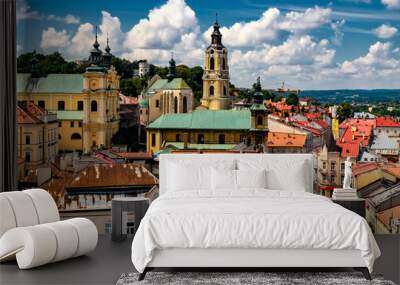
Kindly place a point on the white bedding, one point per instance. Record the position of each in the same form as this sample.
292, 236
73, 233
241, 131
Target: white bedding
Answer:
251, 218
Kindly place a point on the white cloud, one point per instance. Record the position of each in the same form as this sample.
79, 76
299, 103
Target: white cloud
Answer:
171, 27
81, 43
337, 30
68, 19
270, 25
53, 40
385, 31
378, 62
391, 4
24, 11
111, 26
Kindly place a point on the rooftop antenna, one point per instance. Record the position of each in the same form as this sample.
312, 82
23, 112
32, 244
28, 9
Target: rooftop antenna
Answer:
216, 18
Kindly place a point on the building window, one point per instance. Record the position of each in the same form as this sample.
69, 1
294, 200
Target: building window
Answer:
324, 177
224, 90
72, 124
324, 165
61, 105
212, 63
28, 140
157, 103
27, 156
80, 105
80, 124
200, 138
59, 136
76, 136
333, 165
184, 103
175, 105
259, 121
153, 139
223, 63
93, 106
59, 124
42, 104
221, 139
211, 90
333, 178
178, 138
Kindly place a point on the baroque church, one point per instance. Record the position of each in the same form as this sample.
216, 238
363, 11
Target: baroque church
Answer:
216, 94
86, 105
165, 96
213, 125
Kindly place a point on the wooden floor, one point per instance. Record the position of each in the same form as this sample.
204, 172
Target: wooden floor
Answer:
111, 259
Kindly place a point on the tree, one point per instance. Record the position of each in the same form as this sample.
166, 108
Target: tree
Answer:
292, 99
344, 111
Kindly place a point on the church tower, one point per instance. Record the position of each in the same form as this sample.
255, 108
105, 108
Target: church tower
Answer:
216, 74
259, 116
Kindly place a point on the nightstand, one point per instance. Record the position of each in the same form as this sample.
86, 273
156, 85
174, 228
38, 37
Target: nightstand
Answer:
356, 205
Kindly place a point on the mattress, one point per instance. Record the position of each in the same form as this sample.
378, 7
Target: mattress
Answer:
250, 219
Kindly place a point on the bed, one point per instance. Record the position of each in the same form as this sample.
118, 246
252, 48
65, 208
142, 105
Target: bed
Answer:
267, 217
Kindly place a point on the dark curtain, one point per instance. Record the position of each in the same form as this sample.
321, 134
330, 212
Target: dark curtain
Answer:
8, 127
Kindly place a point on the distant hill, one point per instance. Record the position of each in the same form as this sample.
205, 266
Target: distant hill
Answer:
354, 95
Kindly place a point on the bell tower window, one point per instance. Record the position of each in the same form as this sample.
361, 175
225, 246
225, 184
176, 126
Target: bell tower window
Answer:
259, 121
224, 90
184, 103
93, 106
223, 63
211, 90
212, 63
175, 105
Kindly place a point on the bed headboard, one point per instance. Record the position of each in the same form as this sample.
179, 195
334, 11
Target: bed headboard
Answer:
203, 159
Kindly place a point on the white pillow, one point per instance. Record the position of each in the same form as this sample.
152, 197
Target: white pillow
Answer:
293, 177
190, 176
223, 179
251, 178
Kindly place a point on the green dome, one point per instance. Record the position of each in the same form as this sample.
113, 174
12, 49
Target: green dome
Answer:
144, 103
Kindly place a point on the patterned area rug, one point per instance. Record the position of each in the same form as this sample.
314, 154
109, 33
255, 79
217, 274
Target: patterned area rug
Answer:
242, 278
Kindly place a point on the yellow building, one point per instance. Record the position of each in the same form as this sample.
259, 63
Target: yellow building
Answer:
86, 104
37, 135
216, 94
211, 129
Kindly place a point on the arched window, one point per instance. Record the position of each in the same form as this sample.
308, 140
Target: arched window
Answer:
175, 105
212, 63
184, 103
200, 138
223, 63
221, 139
76, 136
259, 120
61, 105
93, 106
224, 90
80, 106
211, 90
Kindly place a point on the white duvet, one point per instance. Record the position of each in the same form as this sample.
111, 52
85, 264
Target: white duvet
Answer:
250, 219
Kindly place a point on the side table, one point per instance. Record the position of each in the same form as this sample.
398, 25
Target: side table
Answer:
120, 207
357, 205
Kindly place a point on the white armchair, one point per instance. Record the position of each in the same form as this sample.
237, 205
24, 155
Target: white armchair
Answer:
31, 230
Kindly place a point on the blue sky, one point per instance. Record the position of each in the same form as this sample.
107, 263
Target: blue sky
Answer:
307, 44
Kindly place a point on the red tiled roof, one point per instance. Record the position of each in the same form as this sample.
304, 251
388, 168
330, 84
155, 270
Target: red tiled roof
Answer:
387, 215
322, 123
357, 122
364, 167
394, 170
127, 99
313, 116
349, 149
23, 117
356, 135
387, 122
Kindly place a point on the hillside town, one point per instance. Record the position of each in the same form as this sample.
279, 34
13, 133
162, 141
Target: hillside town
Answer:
76, 134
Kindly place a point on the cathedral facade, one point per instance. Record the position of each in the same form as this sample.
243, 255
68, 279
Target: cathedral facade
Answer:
216, 94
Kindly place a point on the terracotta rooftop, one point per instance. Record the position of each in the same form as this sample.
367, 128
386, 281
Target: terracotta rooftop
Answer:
357, 122
24, 117
387, 122
113, 175
276, 139
349, 149
134, 155
364, 167
128, 99
394, 170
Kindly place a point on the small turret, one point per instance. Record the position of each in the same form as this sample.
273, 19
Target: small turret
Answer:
216, 36
107, 56
95, 54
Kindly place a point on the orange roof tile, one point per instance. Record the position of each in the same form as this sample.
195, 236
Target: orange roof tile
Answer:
276, 139
23, 117
387, 122
134, 155
395, 171
386, 215
364, 167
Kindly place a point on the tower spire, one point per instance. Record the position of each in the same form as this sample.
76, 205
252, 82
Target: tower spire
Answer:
216, 36
107, 49
96, 43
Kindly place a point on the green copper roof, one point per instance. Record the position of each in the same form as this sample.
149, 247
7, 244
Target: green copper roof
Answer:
157, 85
205, 120
144, 103
70, 115
53, 83
258, 107
176, 83
180, 145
